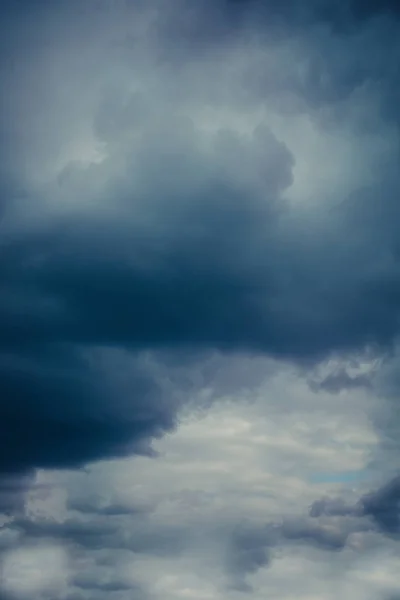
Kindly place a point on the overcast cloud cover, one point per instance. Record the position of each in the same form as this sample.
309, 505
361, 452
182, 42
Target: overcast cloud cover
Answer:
199, 300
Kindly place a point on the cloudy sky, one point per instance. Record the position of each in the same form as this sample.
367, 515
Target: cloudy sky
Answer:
199, 300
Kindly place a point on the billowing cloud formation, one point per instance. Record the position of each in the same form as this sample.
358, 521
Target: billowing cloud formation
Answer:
154, 203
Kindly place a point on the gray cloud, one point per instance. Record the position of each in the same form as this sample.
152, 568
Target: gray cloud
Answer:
181, 239
101, 540
12, 489
333, 507
382, 506
339, 380
248, 551
224, 503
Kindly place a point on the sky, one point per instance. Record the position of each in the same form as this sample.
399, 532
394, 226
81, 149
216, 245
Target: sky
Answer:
199, 300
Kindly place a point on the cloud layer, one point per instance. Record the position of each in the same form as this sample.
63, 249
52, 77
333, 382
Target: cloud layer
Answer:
199, 258
152, 200
228, 507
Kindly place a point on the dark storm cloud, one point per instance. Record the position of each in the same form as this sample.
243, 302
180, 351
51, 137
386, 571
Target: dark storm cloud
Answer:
12, 489
382, 506
61, 410
210, 263
175, 241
